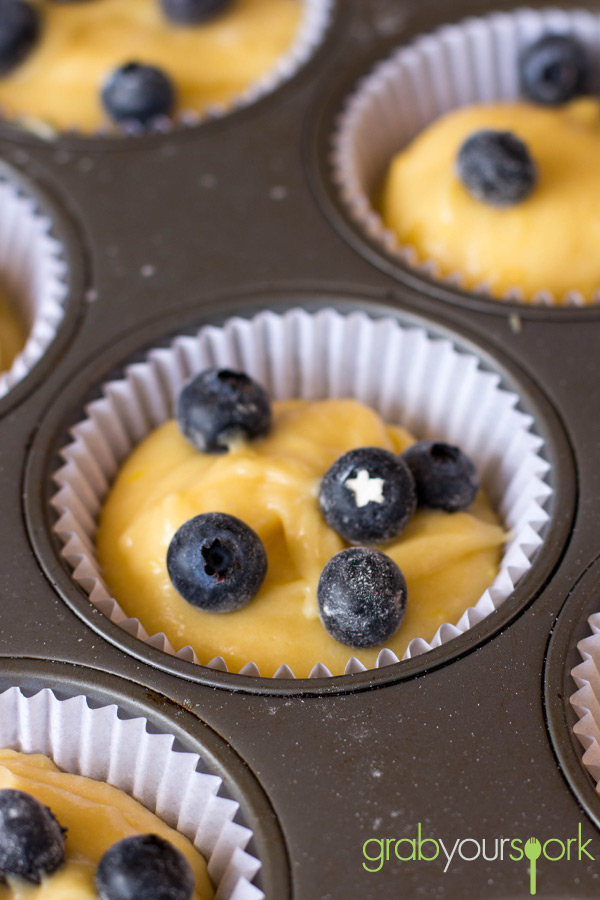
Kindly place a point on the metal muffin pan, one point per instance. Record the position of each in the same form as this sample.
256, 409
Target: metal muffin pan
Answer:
170, 232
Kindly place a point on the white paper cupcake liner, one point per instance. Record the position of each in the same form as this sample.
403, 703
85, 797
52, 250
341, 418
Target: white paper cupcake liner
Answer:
586, 700
420, 382
32, 274
315, 20
100, 745
474, 61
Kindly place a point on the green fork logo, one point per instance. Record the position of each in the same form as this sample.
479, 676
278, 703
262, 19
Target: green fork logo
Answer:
533, 850
381, 851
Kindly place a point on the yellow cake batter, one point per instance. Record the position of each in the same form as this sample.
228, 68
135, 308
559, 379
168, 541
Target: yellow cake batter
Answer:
12, 336
550, 241
272, 485
96, 816
59, 82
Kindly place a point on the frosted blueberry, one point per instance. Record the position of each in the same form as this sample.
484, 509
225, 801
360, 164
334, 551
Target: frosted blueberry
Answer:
145, 866
367, 495
446, 478
32, 843
219, 405
361, 597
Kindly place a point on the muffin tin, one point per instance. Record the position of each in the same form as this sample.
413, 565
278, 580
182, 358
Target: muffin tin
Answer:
164, 234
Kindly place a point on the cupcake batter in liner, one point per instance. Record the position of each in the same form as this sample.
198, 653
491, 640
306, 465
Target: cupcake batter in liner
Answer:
423, 383
35, 94
475, 61
96, 743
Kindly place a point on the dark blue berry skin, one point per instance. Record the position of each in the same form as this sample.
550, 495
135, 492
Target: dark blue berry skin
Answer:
361, 597
216, 562
19, 31
375, 521
191, 12
32, 843
554, 70
137, 93
219, 405
144, 866
496, 168
445, 477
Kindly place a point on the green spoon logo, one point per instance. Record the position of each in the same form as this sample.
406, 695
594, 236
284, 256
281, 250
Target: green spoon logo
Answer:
533, 850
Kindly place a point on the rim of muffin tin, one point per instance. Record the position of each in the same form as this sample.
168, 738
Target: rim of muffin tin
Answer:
571, 626
70, 255
283, 75
321, 127
67, 408
191, 735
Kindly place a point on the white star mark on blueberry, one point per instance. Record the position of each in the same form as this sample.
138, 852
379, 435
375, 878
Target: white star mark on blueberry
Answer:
366, 489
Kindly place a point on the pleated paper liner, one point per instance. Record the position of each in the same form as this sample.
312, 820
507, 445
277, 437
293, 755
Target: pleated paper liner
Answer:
32, 275
99, 744
586, 700
474, 61
423, 383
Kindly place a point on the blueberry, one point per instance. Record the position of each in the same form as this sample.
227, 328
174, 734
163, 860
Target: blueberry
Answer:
32, 843
445, 476
145, 866
216, 562
553, 70
190, 12
496, 168
19, 31
218, 405
138, 93
361, 597
368, 495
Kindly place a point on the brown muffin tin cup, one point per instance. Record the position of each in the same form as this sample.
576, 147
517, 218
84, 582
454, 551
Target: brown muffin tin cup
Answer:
316, 21
571, 689
167, 759
41, 273
310, 354
364, 124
